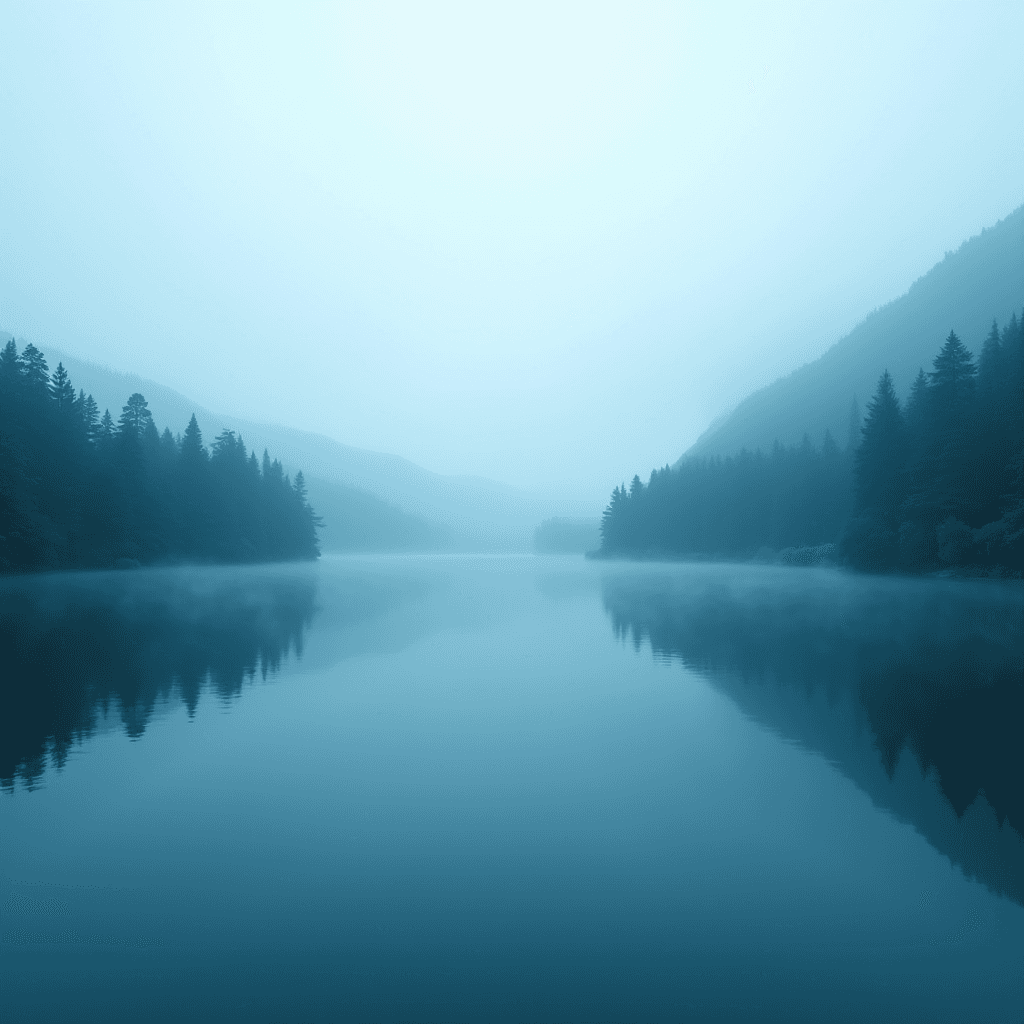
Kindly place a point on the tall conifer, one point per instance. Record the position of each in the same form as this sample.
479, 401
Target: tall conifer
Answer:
62, 390
880, 464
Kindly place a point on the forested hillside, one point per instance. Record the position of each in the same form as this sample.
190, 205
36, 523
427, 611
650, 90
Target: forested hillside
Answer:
941, 481
936, 483
793, 496
983, 279
78, 490
370, 501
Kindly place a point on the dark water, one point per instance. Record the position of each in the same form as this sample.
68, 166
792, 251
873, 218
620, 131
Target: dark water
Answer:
432, 789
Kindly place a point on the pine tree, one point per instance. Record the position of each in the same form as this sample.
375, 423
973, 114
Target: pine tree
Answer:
917, 402
168, 446
193, 452
300, 488
948, 483
78, 491
62, 390
10, 372
1013, 390
880, 463
135, 417
951, 382
106, 428
35, 374
89, 415
612, 526
990, 369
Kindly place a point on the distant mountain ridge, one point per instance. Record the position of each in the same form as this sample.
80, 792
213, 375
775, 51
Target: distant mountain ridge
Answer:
369, 500
983, 280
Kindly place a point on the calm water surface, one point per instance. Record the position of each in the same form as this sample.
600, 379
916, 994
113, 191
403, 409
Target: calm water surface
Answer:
461, 789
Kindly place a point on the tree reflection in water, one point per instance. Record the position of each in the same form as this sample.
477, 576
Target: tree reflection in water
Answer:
75, 648
865, 670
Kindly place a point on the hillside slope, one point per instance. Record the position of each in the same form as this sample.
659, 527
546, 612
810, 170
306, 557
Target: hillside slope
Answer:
369, 500
982, 280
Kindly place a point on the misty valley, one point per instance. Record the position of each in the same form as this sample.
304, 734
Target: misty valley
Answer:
349, 749
512, 513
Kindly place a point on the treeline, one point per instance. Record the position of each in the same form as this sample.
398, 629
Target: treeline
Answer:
733, 507
78, 490
941, 481
937, 483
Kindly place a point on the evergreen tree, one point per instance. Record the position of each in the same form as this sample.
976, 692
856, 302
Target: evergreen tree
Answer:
135, 417
193, 452
78, 491
10, 372
871, 539
942, 485
917, 404
300, 488
946, 485
62, 391
89, 414
951, 383
990, 369
880, 458
35, 375
106, 428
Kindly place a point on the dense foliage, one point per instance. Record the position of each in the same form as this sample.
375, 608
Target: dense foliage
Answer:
939, 483
78, 490
734, 506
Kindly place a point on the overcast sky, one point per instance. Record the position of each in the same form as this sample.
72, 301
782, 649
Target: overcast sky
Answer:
548, 245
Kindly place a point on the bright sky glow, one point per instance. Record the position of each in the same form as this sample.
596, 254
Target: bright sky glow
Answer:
545, 245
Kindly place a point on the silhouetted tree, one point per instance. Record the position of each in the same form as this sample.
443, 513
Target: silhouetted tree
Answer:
78, 491
942, 485
35, 375
62, 391
880, 459
135, 417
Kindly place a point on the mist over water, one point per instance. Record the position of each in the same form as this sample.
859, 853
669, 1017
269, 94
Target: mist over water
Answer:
425, 787
884, 677
82, 648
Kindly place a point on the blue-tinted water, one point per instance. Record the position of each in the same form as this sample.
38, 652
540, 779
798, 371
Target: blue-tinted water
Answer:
461, 789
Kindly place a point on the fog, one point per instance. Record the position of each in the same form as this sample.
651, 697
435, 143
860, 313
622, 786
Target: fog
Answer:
546, 246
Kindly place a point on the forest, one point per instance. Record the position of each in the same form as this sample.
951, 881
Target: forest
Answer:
79, 490
934, 483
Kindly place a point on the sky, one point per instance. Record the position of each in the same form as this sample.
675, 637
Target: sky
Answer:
543, 244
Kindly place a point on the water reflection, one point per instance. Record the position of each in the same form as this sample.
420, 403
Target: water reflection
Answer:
914, 689
77, 649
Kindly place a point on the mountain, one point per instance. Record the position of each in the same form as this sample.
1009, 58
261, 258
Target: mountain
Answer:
368, 500
982, 280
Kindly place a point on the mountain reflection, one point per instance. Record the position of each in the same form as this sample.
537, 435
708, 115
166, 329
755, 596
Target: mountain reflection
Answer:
74, 649
865, 671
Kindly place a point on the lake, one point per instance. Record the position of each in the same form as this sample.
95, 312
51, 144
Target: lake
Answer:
510, 788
